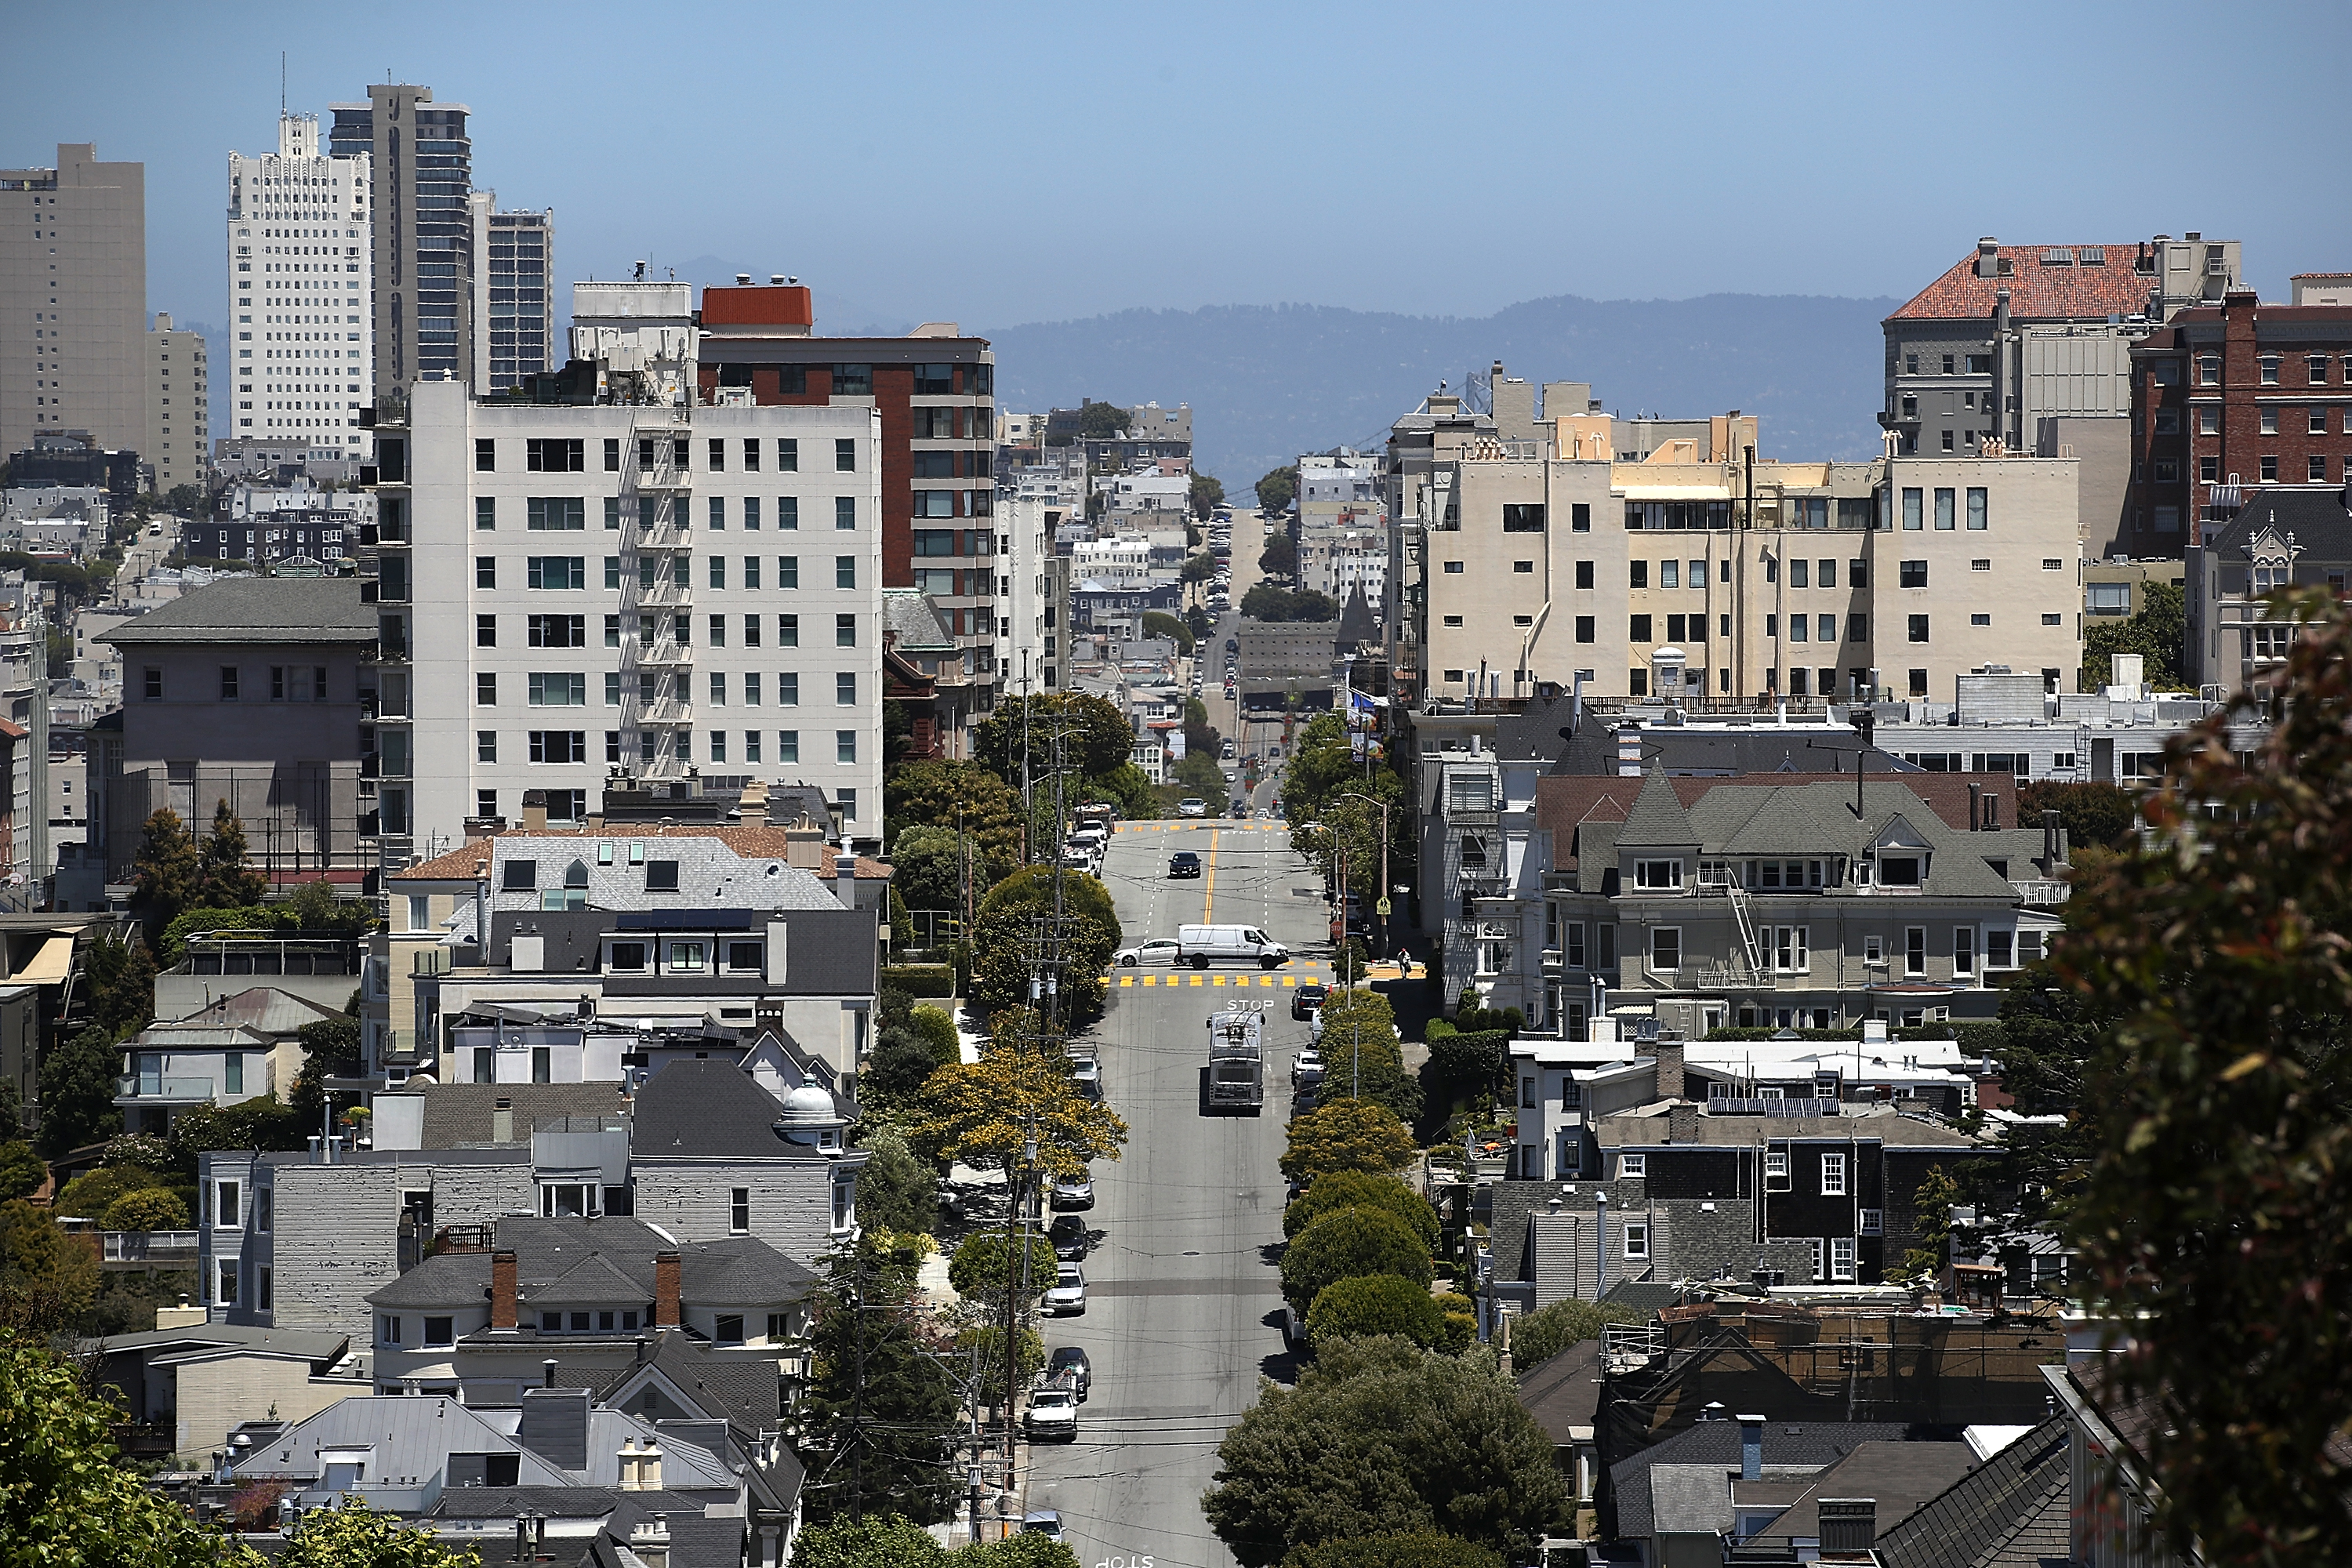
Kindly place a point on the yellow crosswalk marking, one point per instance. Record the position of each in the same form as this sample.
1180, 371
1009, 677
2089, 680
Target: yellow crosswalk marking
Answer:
1195, 979
1290, 980
1216, 980
1127, 980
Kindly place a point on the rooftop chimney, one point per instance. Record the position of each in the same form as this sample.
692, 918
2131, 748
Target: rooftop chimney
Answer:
1682, 1123
845, 879
502, 1290
547, 1372
534, 810
1670, 1070
1751, 1447
650, 1541
1975, 807
1849, 1527
751, 810
665, 1285
1988, 256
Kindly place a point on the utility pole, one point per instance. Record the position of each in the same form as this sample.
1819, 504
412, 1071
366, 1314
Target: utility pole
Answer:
857, 1396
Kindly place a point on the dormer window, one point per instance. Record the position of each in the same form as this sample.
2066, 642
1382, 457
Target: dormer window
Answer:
519, 876
574, 894
1658, 876
686, 957
1899, 870
661, 875
627, 957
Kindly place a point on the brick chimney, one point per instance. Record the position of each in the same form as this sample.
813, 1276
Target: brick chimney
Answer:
752, 809
534, 810
1670, 1070
1682, 1123
665, 1290
502, 1290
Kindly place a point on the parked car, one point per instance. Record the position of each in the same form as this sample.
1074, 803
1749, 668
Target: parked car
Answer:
1233, 645
1087, 1074
1068, 1234
1185, 863
1192, 806
1044, 1521
1067, 1298
1073, 1192
1307, 998
1070, 1362
1153, 952
1306, 1069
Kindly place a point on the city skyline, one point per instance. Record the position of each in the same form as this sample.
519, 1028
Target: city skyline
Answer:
1264, 165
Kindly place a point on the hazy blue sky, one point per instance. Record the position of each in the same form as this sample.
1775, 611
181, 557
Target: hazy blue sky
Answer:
996, 164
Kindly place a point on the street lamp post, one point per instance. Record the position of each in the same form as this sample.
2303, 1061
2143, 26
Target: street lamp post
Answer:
1383, 807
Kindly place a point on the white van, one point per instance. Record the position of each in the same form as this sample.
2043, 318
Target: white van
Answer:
1196, 945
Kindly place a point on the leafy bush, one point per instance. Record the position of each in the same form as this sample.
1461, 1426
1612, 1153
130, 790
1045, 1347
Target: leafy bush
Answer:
1356, 1189
92, 1193
1375, 1304
151, 1208
1348, 1244
1345, 1135
937, 1025
1542, 1335
920, 979
21, 1171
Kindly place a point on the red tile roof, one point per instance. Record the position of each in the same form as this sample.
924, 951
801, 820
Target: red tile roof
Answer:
2036, 292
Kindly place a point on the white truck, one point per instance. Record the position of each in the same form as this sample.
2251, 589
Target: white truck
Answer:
1199, 946
1052, 1411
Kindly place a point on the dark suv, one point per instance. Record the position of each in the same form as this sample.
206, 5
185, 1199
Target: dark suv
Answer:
1307, 998
1068, 1234
1071, 1360
1185, 863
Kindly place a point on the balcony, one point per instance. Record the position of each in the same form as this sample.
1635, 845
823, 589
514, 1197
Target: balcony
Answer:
666, 533
1725, 977
154, 1248
665, 651
668, 710
658, 595
156, 1089
1721, 1105
2042, 892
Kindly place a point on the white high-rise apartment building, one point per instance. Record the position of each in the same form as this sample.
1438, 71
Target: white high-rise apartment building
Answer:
634, 586
302, 271
514, 315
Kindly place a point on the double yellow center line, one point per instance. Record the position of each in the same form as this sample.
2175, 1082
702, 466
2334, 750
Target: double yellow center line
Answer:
1209, 880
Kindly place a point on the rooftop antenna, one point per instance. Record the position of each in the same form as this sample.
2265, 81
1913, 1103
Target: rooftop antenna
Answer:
281, 84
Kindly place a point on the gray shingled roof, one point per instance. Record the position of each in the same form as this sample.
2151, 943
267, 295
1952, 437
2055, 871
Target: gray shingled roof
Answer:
2009, 1512
572, 1261
1563, 1392
1657, 819
708, 1108
1649, 1126
1899, 1476
1716, 1443
245, 609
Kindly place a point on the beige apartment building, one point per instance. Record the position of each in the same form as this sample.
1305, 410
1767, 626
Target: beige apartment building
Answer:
73, 300
179, 405
1700, 574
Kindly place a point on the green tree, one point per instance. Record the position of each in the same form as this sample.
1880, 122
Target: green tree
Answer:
2158, 631
1380, 1438
1100, 421
92, 1193
882, 1414
353, 1535
1198, 571
1358, 1189
331, 1048
1264, 602
258, 1123
223, 878
1198, 772
315, 907
1002, 943
21, 1171
78, 1085
1027, 1549
1423, 1549
984, 1268
167, 871
1096, 736
2212, 1218
1125, 787
1348, 1244
1375, 1304
981, 1113
902, 1061
1160, 623
1544, 1333
952, 794
1278, 489
48, 1276
1464, 1065
186, 500
1362, 1055
1932, 1205
895, 1191
2095, 815
1207, 494
1347, 1135
1280, 557
877, 1540
931, 862
66, 1502
152, 1208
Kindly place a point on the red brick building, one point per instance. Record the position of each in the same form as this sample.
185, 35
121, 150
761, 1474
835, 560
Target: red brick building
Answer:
2231, 396
936, 390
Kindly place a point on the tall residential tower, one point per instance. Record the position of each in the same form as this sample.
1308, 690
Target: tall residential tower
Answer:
73, 300
514, 322
421, 168
301, 271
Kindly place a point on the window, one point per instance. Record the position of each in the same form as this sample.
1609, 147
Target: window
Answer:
845, 570
1584, 623
224, 1205
1523, 567
1664, 875
1964, 951
1638, 628
2208, 421
739, 1210
1580, 517
1842, 1259
1522, 517
151, 685
486, 456
788, 743
556, 514
553, 455
1978, 509
661, 877
2270, 369
1775, 1170
559, 745
1637, 1238
2270, 469
845, 631
1637, 573
1667, 948
1945, 516
1832, 1175
1630, 1166
2208, 370
1915, 501
1915, 950
2318, 469
844, 689
1918, 628
1788, 947
554, 571
559, 688
556, 631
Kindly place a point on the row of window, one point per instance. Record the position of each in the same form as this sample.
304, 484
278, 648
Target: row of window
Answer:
857, 380
568, 455
571, 631
2166, 373
1787, 949
571, 746
561, 573
287, 683
568, 514
1978, 365
568, 688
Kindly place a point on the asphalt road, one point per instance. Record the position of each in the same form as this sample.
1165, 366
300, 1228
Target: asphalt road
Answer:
1183, 1295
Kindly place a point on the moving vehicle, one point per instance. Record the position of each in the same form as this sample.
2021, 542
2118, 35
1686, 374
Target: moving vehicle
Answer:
1236, 1062
1185, 863
1068, 1297
1069, 1235
1192, 806
1306, 1069
1150, 951
1052, 1413
1043, 1521
1307, 998
1233, 645
1227, 750
1069, 1361
1093, 835
1073, 1192
1198, 945
1239, 809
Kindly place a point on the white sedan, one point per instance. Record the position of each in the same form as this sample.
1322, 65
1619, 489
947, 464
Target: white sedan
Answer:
1068, 1297
1192, 806
1158, 950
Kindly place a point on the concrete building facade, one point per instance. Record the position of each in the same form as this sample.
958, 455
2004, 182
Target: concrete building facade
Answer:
421, 234
73, 300
179, 405
301, 276
514, 298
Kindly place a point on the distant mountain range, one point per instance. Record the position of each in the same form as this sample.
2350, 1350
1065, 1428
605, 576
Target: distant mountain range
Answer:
1267, 383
